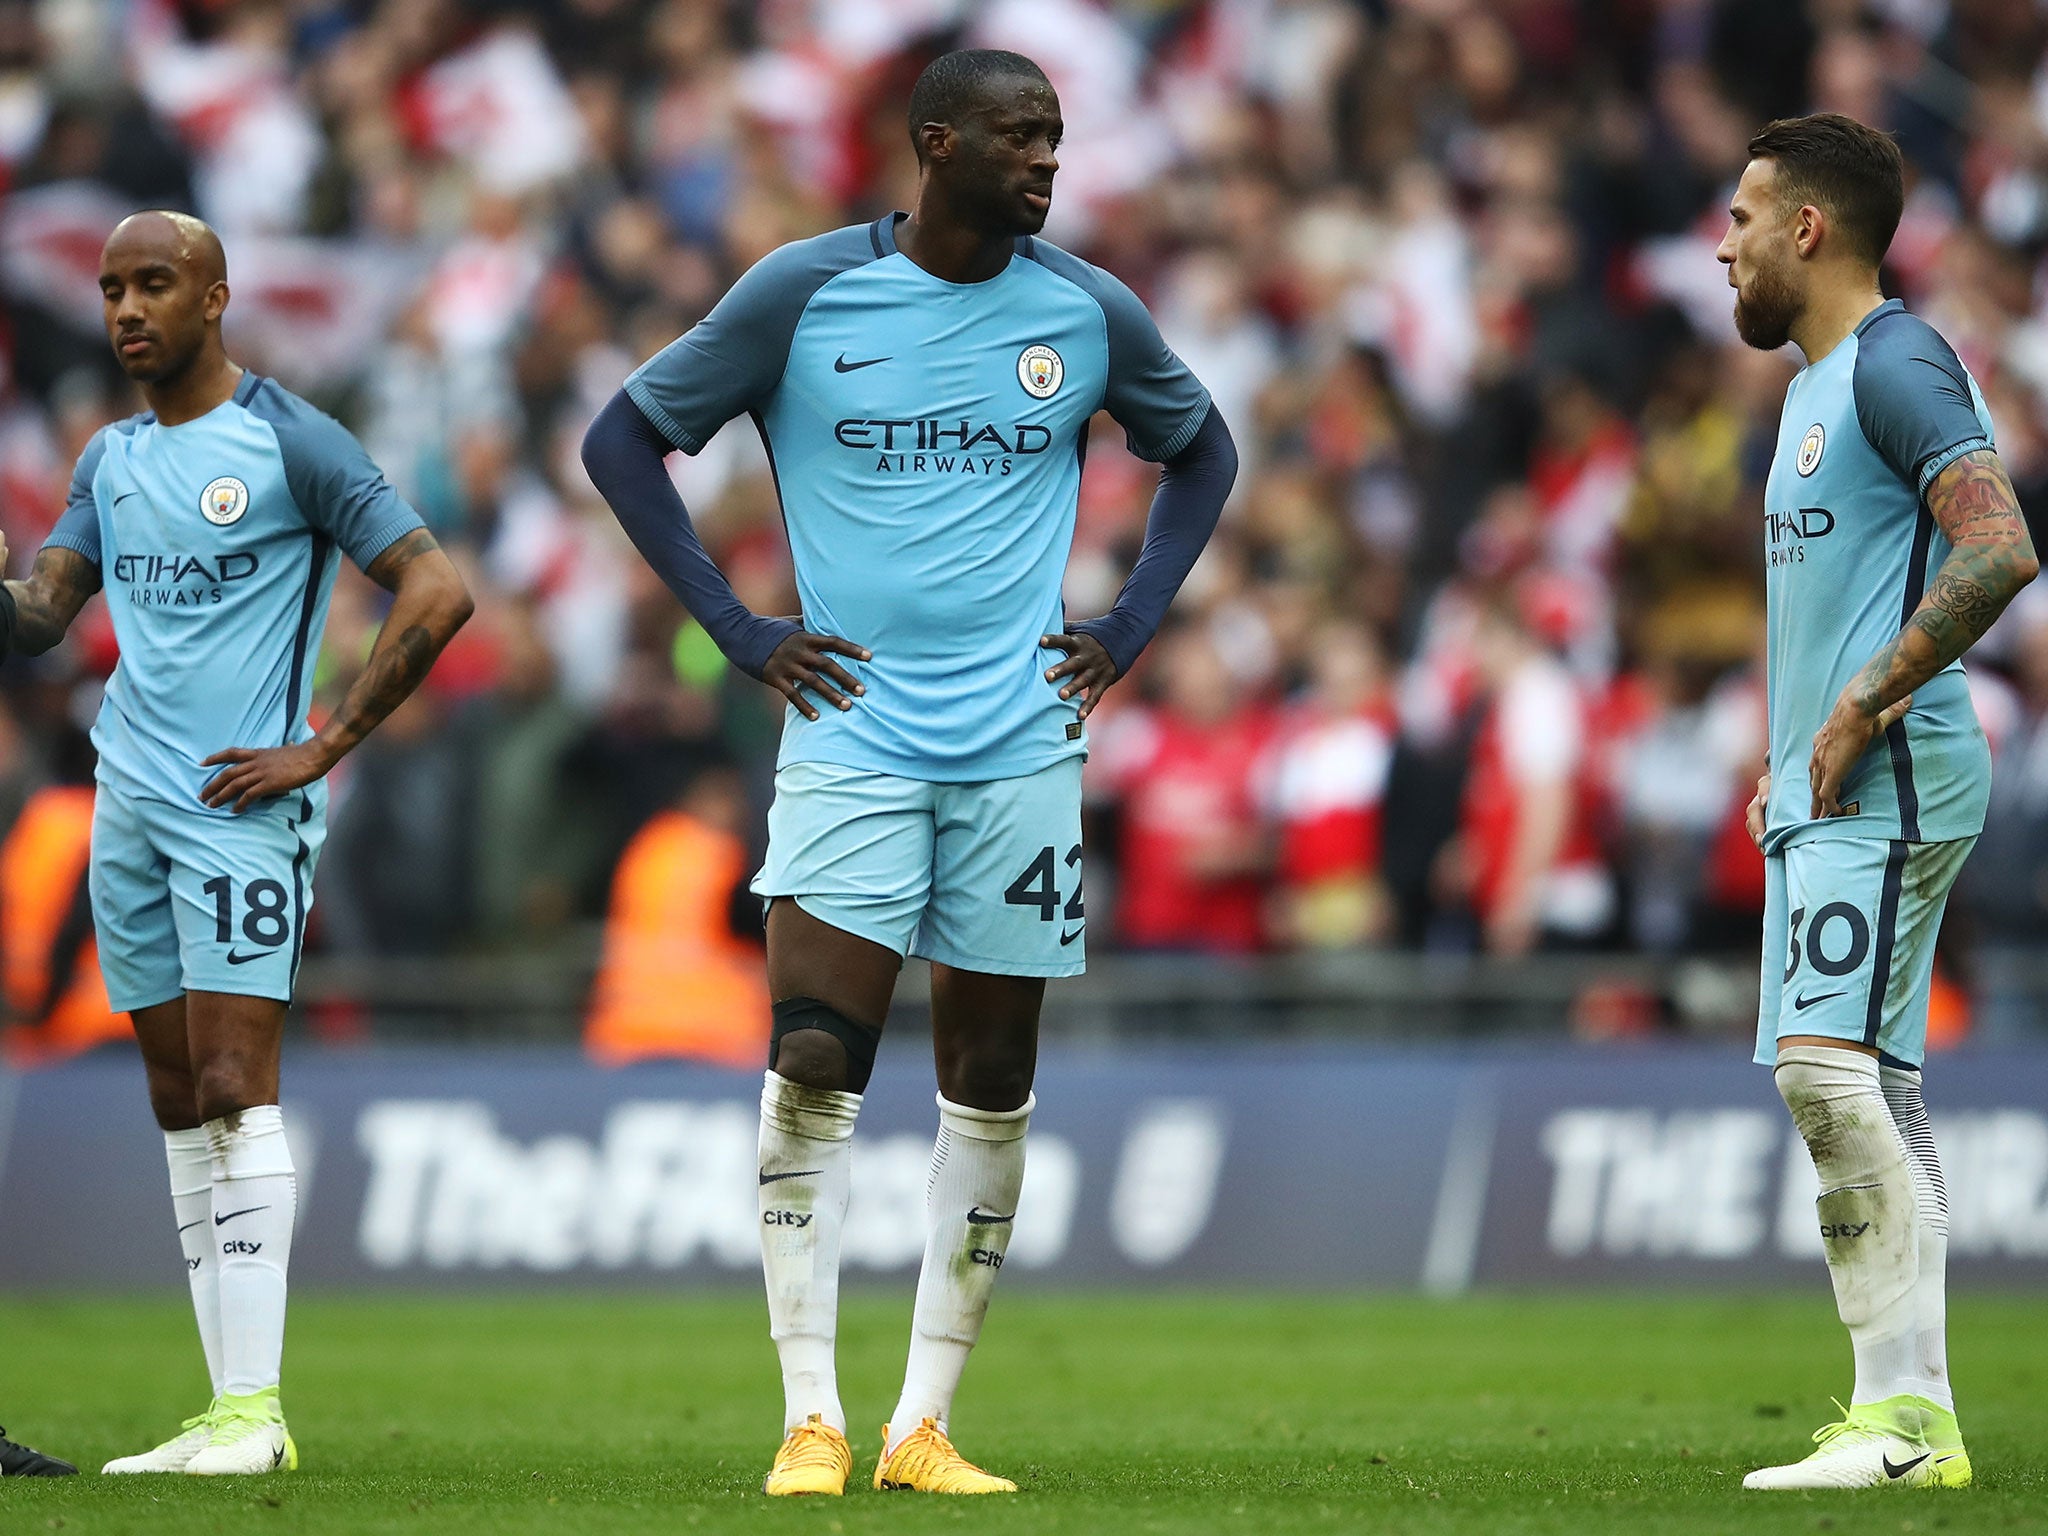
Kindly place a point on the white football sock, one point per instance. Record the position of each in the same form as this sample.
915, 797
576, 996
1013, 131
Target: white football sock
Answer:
1930, 1189
806, 1178
1869, 1223
255, 1198
970, 1211
191, 1162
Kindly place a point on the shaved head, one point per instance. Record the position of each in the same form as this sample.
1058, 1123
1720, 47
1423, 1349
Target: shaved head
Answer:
178, 238
164, 286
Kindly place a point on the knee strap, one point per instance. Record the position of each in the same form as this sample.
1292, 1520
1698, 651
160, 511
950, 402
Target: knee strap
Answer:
861, 1040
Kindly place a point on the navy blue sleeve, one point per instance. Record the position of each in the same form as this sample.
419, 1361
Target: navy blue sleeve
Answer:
1914, 399
337, 486
79, 527
731, 361
1192, 489
623, 450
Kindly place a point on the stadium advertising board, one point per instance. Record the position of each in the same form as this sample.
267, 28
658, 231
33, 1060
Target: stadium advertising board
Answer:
1290, 1166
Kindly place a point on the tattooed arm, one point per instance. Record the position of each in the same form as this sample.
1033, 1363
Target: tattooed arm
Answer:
430, 602
41, 608
1972, 502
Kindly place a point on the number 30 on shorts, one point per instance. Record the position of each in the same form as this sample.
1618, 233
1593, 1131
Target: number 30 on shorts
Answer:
1036, 887
1854, 937
263, 921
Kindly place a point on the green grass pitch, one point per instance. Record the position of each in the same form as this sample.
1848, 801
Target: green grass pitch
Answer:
1116, 1413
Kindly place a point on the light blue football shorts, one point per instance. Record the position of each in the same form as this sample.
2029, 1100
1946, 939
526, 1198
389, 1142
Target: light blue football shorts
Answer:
183, 901
983, 877
1849, 930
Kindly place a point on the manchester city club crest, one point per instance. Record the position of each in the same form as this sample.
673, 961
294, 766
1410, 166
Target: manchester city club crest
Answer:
224, 501
1040, 371
1811, 447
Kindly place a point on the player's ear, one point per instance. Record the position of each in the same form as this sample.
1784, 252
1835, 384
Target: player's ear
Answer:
1808, 228
937, 141
216, 301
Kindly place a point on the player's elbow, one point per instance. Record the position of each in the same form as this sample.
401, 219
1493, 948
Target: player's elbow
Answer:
458, 605
2025, 568
1223, 465
1206, 468
610, 440
1225, 448
1212, 451
593, 451
442, 592
38, 624
32, 639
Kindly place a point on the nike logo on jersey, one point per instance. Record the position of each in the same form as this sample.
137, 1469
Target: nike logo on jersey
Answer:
124, 496
841, 365
1801, 1004
231, 1215
1068, 938
977, 1217
777, 1178
1896, 1471
235, 957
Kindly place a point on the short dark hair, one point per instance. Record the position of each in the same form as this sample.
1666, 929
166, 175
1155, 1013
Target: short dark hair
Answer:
956, 83
1853, 171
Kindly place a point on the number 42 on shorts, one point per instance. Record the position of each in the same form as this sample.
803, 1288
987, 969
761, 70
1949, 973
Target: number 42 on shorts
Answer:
1037, 886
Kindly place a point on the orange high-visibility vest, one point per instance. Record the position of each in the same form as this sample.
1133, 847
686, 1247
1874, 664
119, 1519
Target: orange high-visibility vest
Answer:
675, 980
42, 879
1949, 1011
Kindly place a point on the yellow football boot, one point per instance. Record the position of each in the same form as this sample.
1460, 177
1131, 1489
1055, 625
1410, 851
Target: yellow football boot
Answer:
1949, 1466
814, 1458
927, 1463
1900, 1442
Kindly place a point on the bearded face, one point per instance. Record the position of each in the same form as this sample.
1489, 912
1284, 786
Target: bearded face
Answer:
1767, 305
1762, 258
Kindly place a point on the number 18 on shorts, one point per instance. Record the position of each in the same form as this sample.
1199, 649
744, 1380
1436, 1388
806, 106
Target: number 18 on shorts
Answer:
188, 901
984, 877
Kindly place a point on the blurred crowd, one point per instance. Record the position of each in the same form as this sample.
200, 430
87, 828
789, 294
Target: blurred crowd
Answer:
1474, 661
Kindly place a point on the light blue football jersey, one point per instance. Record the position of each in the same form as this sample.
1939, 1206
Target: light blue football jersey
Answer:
926, 439
216, 543
1851, 549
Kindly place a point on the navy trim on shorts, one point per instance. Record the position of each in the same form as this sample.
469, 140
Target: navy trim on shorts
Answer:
316, 566
1887, 938
299, 890
1902, 780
